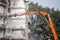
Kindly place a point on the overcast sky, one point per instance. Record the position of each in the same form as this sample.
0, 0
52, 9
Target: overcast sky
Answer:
48, 3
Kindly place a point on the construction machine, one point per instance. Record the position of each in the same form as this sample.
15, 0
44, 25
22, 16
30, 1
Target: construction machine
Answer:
49, 20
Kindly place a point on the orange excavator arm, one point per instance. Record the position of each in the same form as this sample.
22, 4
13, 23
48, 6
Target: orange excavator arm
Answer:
51, 25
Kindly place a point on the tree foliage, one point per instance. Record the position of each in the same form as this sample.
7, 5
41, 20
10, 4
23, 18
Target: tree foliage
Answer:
39, 24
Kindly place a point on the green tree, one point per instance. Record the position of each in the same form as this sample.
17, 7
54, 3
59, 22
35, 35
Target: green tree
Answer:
40, 22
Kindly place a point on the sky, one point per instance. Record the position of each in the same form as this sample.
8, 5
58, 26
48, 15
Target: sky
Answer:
48, 3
